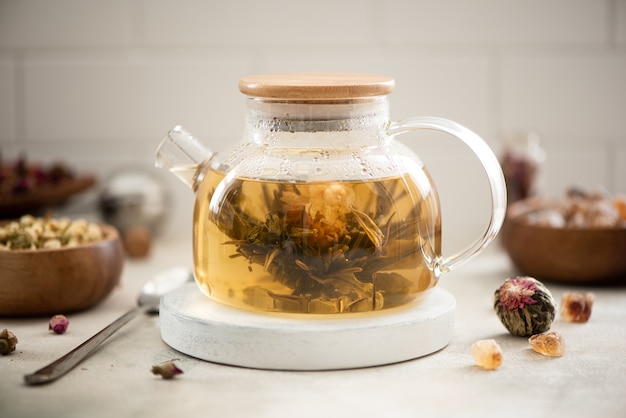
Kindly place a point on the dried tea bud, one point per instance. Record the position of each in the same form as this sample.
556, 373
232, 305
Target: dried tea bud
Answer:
487, 354
58, 324
8, 341
525, 306
137, 241
549, 344
576, 306
167, 370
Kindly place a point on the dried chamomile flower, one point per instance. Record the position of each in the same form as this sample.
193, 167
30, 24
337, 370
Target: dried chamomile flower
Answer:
58, 324
8, 341
487, 354
576, 306
30, 233
52, 243
525, 306
549, 344
167, 370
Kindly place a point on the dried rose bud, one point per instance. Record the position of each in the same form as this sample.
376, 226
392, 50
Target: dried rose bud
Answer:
576, 306
8, 341
549, 344
58, 324
167, 370
525, 306
487, 354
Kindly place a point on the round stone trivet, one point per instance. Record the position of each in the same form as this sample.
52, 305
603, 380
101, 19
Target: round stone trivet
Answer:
197, 326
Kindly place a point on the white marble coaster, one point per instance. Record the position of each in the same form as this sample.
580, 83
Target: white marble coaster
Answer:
197, 326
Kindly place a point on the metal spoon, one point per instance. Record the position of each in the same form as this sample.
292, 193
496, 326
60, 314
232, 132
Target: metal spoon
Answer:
147, 302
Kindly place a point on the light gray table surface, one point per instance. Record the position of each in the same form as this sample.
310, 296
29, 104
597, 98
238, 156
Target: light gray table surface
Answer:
590, 380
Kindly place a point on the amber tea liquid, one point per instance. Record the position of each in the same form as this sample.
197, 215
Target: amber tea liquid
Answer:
315, 247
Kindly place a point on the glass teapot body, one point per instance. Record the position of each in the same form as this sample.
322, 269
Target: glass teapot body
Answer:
321, 214
319, 209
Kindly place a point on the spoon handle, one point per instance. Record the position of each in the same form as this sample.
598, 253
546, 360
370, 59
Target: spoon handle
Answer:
66, 363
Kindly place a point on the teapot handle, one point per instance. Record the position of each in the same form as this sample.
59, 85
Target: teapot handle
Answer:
494, 174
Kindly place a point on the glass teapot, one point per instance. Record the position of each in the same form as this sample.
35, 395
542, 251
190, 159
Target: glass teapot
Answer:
319, 209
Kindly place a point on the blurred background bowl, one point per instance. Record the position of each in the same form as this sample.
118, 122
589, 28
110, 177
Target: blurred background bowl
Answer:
572, 255
40, 200
59, 281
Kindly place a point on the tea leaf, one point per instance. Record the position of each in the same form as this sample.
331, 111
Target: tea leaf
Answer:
371, 229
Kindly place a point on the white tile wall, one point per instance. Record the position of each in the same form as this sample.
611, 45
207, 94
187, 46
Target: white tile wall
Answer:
501, 23
99, 83
620, 24
576, 94
64, 23
256, 24
8, 113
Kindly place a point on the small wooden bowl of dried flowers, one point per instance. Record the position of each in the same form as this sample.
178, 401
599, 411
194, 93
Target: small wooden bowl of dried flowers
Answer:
50, 266
578, 239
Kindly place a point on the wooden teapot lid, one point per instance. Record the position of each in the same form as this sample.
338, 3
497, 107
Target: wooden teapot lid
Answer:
316, 86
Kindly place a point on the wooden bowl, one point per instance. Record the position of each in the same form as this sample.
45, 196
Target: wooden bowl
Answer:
58, 281
571, 255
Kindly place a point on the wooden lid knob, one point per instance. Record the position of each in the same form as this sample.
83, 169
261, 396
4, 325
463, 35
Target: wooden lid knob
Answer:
316, 86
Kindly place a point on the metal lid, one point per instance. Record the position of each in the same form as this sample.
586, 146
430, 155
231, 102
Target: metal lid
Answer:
316, 86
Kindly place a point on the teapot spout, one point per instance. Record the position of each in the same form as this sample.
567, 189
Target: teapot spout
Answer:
183, 155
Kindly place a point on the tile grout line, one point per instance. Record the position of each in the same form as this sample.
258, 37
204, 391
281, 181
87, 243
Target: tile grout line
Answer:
611, 24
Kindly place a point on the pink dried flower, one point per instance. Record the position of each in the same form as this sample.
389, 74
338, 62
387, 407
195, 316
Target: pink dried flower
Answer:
58, 324
167, 370
516, 293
